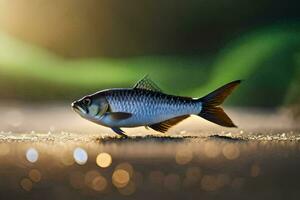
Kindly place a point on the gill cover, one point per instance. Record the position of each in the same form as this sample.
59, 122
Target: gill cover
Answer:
98, 107
104, 106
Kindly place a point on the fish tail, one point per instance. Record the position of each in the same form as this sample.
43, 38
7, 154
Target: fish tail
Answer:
210, 105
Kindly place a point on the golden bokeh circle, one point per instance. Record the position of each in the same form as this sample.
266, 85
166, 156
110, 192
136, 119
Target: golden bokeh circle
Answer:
99, 183
127, 167
103, 160
209, 183
192, 176
183, 157
231, 151
89, 177
120, 178
67, 159
35, 175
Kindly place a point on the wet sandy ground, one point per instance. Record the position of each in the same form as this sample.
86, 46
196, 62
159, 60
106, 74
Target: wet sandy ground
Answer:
50, 153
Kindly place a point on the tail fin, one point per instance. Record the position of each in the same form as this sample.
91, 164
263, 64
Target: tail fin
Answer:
210, 110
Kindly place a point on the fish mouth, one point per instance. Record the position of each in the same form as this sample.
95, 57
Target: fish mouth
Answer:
78, 109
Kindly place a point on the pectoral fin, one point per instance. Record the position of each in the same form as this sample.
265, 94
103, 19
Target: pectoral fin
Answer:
166, 125
119, 115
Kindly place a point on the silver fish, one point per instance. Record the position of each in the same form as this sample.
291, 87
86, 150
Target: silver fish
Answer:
146, 105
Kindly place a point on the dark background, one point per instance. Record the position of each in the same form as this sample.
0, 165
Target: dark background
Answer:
71, 48
133, 28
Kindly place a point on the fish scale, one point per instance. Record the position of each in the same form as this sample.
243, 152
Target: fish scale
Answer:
149, 107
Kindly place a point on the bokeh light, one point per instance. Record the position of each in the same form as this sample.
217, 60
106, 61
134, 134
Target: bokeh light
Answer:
209, 183
127, 167
231, 151
80, 156
99, 183
95, 181
103, 160
212, 150
67, 159
32, 155
120, 178
26, 184
35, 175
183, 157
89, 176
193, 175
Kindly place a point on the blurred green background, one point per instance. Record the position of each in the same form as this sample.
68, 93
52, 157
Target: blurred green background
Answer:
61, 50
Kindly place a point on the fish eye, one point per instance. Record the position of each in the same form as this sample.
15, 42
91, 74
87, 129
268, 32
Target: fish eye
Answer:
87, 101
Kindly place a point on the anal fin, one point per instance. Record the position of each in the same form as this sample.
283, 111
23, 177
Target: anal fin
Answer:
166, 125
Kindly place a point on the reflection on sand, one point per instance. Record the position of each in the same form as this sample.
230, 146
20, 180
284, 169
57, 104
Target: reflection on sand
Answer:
112, 167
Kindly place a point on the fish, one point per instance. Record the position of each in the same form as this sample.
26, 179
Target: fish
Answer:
145, 104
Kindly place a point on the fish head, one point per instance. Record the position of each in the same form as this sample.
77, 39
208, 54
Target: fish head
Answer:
90, 107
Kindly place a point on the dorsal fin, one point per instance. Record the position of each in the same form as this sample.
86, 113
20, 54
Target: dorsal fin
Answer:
147, 84
165, 125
